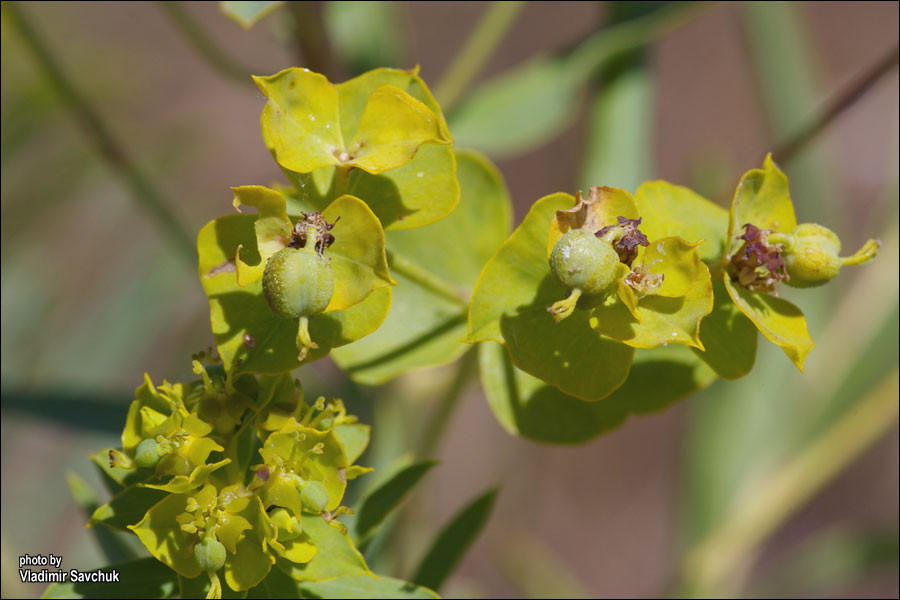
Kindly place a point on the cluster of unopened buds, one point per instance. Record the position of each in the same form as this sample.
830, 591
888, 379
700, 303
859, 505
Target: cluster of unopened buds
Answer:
251, 473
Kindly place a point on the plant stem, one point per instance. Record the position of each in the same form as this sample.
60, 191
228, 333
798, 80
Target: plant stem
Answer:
478, 48
314, 48
425, 279
143, 191
786, 150
436, 427
194, 33
714, 561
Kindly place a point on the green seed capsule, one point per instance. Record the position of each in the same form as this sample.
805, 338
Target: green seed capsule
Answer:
288, 525
298, 282
174, 463
812, 256
314, 496
582, 261
147, 453
210, 554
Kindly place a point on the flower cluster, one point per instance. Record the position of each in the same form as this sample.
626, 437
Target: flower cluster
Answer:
308, 273
237, 475
643, 272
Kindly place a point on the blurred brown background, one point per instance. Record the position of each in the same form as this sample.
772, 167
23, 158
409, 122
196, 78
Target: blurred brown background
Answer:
93, 296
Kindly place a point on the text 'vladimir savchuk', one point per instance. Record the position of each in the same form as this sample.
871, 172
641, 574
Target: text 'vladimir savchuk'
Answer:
49, 571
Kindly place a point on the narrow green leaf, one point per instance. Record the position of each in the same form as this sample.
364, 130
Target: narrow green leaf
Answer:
383, 499
128, 507
142, 578
618, 144
453, 541
365, 35
831, 560
363, 586
111, 544
527, 106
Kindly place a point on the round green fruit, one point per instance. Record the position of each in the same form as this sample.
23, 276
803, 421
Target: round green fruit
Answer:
314, 496
811, 259
580, 260
298, 282
210, 554
147, 453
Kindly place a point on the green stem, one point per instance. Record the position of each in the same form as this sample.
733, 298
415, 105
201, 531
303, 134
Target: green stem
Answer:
596, 51
424, 278
194, 33
436, 427
143, 191
313, 46
713, 562
478, 48
341, 181
789, 148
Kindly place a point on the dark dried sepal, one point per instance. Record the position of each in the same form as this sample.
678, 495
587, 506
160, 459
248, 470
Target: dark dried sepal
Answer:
757, 265
629, 237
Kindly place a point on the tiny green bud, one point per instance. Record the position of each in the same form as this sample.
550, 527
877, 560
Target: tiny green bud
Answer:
209, 554
582, 261
288, 525
314, 496
174, 463
298, 282
812, 255
147, 453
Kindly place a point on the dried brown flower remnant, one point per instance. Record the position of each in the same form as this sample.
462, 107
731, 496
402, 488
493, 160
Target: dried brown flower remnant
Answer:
322, 227
758, 265
625, 238
643, 281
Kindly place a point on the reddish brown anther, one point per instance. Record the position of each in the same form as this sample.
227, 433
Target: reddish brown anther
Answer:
628, 239
317, 220
757, 265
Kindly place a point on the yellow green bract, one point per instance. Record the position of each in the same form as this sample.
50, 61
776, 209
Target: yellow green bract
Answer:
186, 520
233, 252
659, 300
380, 136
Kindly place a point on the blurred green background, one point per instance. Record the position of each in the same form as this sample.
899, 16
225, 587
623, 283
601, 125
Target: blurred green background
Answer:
778, 484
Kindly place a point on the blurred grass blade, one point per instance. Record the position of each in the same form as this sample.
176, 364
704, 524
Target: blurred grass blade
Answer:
618, 151
618, 147
536, 570
112, 546
496, 20
832, 560
382, 500
526, 107
365, 35
453, 541
206, 46
713, 561
365, 586
84, 411
142, 578
786, 71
